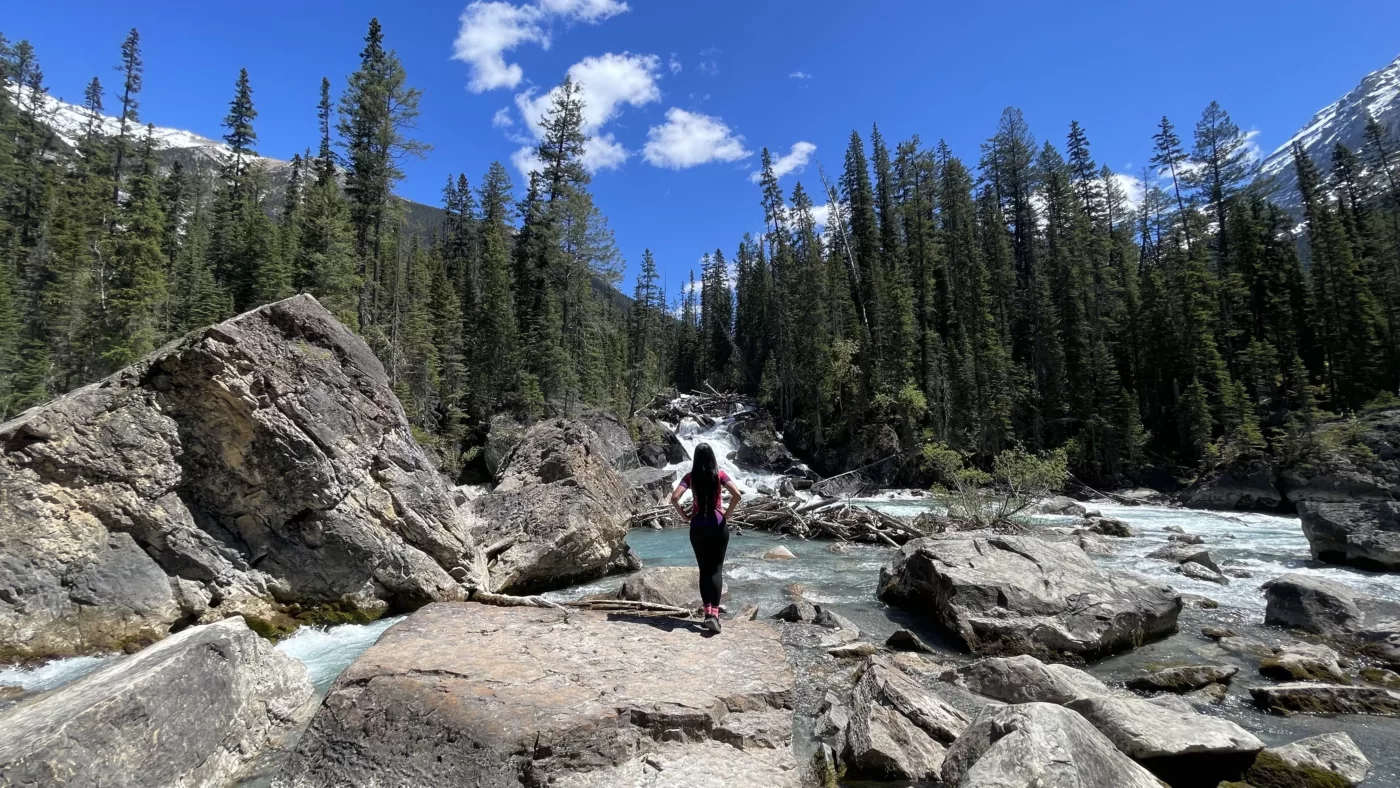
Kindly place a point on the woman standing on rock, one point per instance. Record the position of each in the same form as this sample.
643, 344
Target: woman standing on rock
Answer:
709, 536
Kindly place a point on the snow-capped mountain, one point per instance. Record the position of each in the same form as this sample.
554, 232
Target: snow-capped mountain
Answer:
1343, 121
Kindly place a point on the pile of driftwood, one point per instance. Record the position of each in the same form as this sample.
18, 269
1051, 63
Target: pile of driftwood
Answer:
707, 408
824, 518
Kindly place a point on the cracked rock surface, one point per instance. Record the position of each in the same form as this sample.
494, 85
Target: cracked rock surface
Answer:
253, 465
467, 694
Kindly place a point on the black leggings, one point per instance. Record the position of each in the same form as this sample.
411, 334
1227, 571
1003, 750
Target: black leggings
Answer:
710, 541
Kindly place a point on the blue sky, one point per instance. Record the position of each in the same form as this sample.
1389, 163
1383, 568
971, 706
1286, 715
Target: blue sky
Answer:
695, 90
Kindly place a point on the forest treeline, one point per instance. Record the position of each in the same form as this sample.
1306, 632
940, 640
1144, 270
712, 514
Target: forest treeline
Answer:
1027, 304
1024, 303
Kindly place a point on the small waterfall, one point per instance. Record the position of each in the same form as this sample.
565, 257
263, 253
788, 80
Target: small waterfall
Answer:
722, 439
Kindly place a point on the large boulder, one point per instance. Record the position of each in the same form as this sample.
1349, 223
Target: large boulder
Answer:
1355, 460
1349, 618
1310, 698
1031, 745
503, 433
1365, 535
657, 444
1180, 746
651, 487
1304, 761
614, 438
260, 466
558, 515
1245, 484
192, 710
1025, 679
759, 444
677, 586
1014, 594
465, 694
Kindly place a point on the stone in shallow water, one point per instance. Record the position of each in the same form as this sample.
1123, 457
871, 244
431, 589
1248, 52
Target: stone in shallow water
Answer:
1365, 535
1183, 679
191, 710
1020, 594
1295, 764
1303, 662
677, 586
466, 694
904, 640
1175, 743
1309, 698
1036, 745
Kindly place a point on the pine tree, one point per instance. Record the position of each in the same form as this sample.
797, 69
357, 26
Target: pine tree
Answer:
1169, 157
138, 284
132, 70
495, 328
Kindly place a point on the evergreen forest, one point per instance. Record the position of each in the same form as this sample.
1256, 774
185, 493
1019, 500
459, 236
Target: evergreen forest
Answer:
919, 302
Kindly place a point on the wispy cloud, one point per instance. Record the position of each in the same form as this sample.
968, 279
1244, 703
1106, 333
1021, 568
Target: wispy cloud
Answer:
793, 161
799, 75
675, 64
502, 118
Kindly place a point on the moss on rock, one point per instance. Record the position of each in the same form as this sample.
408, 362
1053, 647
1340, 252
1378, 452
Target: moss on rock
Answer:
1271, 771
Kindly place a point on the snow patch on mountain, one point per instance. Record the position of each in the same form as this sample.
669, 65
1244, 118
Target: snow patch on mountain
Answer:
1343, 121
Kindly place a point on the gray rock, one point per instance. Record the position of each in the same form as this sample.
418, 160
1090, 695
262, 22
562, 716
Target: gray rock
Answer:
1238, 572
614, 439
1180, 746
1303, 662
853, 650
883, 681
1062, 506
1245, 647
1109, 526
779, 553
1017, 594
1183, 679
1309, 698
1345, 475
1350, 619
650, 486
1209, 695
1186, 538
265, 460
503, 433
192, 710
882, 744
1095, 544
1201, 572
759, 445
798, 610
1216, 633
1038, 744
1025, 679
677, 586
657, 444
555, 518
1333, 753
1174, 529
786, 488
904, 640
1185, 554
826, 617
591, 703
1245, 485
1365, 535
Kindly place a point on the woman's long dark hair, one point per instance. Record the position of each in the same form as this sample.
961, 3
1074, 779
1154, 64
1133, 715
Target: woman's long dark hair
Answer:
704, 479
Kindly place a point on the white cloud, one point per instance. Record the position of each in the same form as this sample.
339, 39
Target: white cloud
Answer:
607, 82
675, 64
821, 214
603, 152
502, 118
490, 28
689, 139
1132, 188
1254, 154
526, 161
585, 10
799, 75
793, 161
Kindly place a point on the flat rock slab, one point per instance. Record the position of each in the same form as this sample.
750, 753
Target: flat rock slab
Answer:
1024, 595
466, 694
1025, 679
1310, 698
189, 711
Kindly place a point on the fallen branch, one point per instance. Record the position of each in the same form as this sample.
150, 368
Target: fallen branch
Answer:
506, 600
629, 606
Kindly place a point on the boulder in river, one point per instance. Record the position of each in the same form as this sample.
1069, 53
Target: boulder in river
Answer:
192, 710
1197, 571
759, 444
1365, 535
1108, 526
651, 487
1311, 698
260, 466
1303, 662
1025, 679
1185, 554
1183, 679
1020, 594
1038, 744
466, 694
1246, 484
657, 444
1347, 617
1180, 746
557, 516
1061, 505
1311, 762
